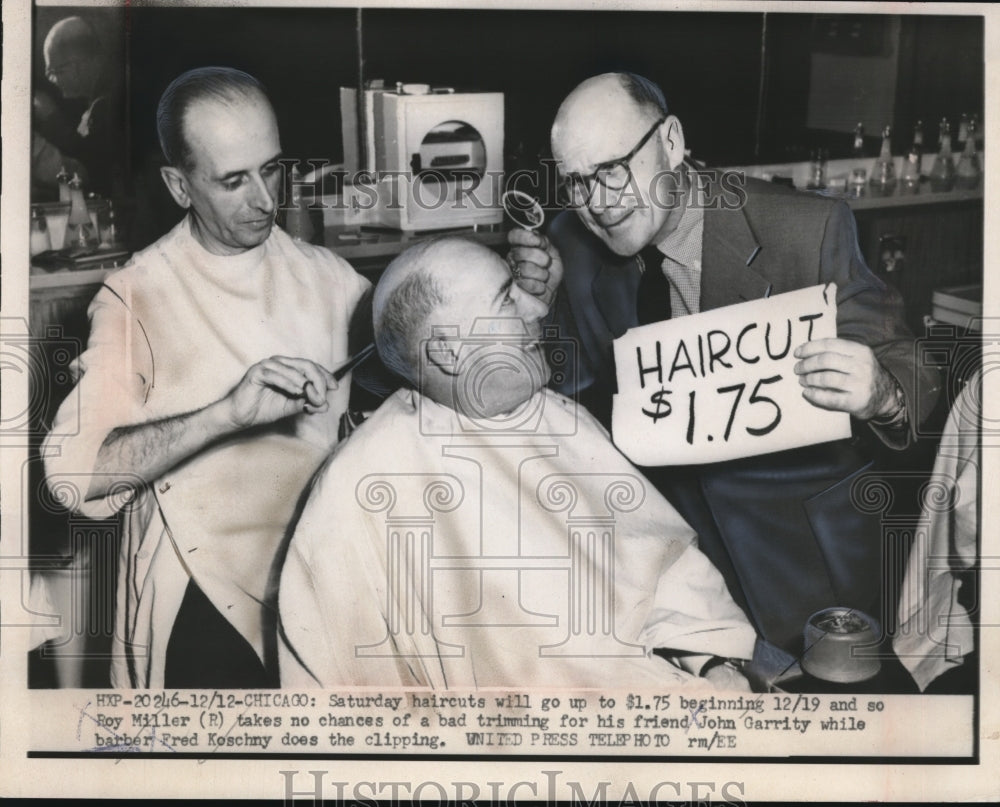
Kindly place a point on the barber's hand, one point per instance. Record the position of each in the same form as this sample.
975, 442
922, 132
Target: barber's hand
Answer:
725, 676
276, 388
535, 263
844, 376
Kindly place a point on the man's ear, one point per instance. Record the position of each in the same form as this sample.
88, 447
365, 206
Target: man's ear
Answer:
442, 353
177, 184
672, 138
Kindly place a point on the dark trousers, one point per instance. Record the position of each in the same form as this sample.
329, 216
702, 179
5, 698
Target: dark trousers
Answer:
205, 651
786, 533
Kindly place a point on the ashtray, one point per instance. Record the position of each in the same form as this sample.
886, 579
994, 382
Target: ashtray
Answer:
833, 641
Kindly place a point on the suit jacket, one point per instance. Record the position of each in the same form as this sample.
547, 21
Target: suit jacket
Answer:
94, 138
782, 528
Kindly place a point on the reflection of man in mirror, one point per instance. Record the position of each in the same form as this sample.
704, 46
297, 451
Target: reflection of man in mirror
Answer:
629, 600
77, 65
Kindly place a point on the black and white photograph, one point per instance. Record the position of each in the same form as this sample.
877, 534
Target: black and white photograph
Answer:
498, 401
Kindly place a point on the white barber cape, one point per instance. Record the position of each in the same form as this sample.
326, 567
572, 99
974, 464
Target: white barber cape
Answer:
173, 331
434, 551
935, 630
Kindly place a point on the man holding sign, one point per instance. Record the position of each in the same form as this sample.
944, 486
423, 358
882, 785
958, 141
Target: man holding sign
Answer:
722, 385
652, 238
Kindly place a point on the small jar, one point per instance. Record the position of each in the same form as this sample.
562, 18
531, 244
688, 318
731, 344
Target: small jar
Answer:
841, 646
859, 179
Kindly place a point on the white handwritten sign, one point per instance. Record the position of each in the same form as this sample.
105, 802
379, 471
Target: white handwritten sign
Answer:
720, 385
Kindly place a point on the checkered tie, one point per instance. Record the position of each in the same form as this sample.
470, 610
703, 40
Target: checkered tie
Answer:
685, 288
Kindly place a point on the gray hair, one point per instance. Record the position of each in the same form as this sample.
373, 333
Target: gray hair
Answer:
225, 85
646, 94
402, 308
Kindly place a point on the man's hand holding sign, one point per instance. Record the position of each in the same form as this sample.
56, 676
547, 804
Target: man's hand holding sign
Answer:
845, 376
728, 383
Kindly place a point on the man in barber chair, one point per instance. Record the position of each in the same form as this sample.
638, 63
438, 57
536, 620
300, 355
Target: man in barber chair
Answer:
442, 546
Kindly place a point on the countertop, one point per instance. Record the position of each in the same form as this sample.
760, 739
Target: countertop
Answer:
840, 171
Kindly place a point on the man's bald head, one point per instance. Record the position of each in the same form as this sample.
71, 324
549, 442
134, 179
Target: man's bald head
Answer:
220, 85
73, 58
71, 37
609, 93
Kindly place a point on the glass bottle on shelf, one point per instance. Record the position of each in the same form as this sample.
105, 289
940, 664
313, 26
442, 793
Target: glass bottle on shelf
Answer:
909, 177
969, 172
62, 180
80, 230
918, 139
39, 233
963, 130
859, 174
817, 170
943, 171
858, 150
109, 226
883, 177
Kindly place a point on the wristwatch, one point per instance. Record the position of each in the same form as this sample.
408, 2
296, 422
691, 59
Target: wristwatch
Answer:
895, 415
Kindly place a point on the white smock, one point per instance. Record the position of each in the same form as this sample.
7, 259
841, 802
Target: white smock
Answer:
173, 331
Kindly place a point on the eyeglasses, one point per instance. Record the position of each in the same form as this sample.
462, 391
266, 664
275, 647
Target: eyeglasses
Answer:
613, 175
54, 71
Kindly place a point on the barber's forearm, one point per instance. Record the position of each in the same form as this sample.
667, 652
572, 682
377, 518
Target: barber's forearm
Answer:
149, 450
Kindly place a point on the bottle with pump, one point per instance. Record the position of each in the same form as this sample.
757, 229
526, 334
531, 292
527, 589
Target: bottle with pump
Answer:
943, 171
883, 179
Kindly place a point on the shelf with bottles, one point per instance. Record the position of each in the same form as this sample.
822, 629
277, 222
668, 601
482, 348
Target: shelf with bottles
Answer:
78, 230
838, 175
900, 176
